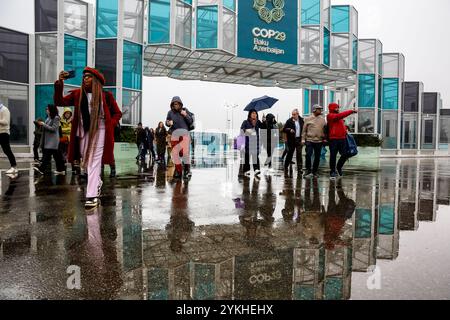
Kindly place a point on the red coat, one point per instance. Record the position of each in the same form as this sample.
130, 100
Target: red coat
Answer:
336, 125
73, 99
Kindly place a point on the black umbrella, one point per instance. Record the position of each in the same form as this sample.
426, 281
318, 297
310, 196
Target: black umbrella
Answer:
260, 104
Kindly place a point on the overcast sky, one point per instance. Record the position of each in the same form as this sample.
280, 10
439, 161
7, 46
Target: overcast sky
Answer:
416, 28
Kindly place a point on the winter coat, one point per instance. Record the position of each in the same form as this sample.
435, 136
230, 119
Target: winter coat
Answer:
290, 124
336, 125
161, 135
66, 126
50, 134
111, 121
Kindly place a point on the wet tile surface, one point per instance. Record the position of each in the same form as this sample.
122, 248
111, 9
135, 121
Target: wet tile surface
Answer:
376, 234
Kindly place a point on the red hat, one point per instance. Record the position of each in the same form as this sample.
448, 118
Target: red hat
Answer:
95, 73
332, 107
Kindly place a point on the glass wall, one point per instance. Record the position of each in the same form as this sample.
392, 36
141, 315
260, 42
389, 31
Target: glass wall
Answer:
390, 94
13, 56
310, 45
75, 57
429, 132
106, 59
132, 106
229, 31
229, 4
340, 19
183, 29
75, 18
326, 47
366, 121
310, 12
107, 18
390, 125
132, 65
159, 21
391, 66
46, 15
43, 97
340, 49
366, 93
411, 92
409, 131
430, 103
207, 27
133, 20
46, 54
15, 98
444, 135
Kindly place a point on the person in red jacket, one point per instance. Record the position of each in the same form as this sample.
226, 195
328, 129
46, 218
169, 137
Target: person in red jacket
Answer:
95, 116
337, 134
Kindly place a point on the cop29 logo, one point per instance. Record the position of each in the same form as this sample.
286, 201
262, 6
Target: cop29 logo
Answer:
266, 13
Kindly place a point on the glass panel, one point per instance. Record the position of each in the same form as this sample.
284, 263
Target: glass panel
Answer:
75, 57
430, 103
75, 18
332, 96
229, 31
411, 97
230, 4
183, 25
310, 12
46, 15
380, 58
367, 59
326, 46
107, 16
15, 98
354, 22
386, 220
113, 91
134, 20
363, 219
444, 137
106, 59
207, 2
390, 94
380, 94
409, 131
355, 53
390, 123
46, 53
428, 133
390, 66
132, 65
159, 25
366, 91
44, 96
132, 106
306, 105
366, 121
340, 19
13, 56
207, 27
326, 13
310, 45
340, 51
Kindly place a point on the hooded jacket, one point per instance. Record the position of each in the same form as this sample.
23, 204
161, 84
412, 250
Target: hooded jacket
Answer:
336, 124
66, 125
179, 122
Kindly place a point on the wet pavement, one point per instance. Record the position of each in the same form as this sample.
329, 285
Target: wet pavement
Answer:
376, 234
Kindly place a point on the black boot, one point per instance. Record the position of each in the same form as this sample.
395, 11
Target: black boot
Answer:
113, 172
187, 171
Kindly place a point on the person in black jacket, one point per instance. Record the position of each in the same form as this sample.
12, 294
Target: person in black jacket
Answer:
271, 136
293, 129
140, 142
250, 129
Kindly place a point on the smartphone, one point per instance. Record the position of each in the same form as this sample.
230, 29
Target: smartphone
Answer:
72, 74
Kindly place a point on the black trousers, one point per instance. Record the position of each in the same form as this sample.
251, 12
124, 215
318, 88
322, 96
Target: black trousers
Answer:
297, 148
6, 147
47, 159
36, 151
337, 146
311, 148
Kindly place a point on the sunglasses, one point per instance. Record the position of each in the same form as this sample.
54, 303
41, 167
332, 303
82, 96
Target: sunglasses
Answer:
87, 76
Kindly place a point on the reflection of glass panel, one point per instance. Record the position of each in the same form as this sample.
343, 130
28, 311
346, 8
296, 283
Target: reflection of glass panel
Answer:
367, 56
75, 18
310, 44
366, 119
430, 103
363, 227
15, 98
133, 20
132, 65
107, 16
340, 51
183, 25
390, 66
306, 104
340, 19
44, 96
75, 57
444, 136
386, 220
411, 97
229, 31
390, 94
326, 46
46, 52
106, 59
132, 106
316, 97
390, 123
310, 12
366, 91
207, 27
355, 53
46, 15
230, 4
13, 56
159, 24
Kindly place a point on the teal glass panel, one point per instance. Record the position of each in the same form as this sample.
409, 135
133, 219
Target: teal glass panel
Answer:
366, 91
207, 27
326, 47
390, 94
44, 97
112, 90
75, 57
310, 12
159, 22
355, 53
380, 96
332, 96
230, 4
303, 292
340, 19
306, 109
158, 284
204, 282
132, 65
317, 87
107, 18
333, 289
380, 64
363, 228
387, 218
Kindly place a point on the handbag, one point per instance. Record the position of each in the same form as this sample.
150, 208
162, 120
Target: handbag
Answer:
351, 149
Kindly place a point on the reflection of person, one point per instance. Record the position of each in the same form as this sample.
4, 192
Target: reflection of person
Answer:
66, 128
312, 220
140, 142
250, 129
5, 121
313, 136
293, 129
249, 214
93, 124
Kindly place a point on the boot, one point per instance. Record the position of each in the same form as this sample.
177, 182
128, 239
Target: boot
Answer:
187, 171
113, 172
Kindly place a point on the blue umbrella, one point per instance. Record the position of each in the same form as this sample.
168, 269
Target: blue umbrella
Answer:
260, 104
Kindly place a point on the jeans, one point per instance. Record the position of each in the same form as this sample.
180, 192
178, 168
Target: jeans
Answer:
316, 148
6, 147
335, 147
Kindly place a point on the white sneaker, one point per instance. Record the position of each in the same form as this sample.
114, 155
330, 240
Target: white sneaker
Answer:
13, 170
60, 173
248, 174
257, 172
37, 170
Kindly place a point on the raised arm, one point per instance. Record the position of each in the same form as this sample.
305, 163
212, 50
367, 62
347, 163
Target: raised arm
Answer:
59, 99
339, 116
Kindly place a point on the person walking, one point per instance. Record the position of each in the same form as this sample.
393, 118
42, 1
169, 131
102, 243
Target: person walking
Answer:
66, 127
313, 136
150, 134
37, 140
160, 136
50, 142
250, 129
179, 121
5, 123
271, 135
293, 129
92, 135
140, 142
337, 132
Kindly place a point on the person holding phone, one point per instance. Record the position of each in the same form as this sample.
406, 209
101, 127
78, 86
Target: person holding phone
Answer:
95, 116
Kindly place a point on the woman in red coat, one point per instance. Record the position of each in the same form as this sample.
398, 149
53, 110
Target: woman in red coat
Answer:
95, 116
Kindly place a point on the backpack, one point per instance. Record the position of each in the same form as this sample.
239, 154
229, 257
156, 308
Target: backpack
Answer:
351, 149
192, 125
